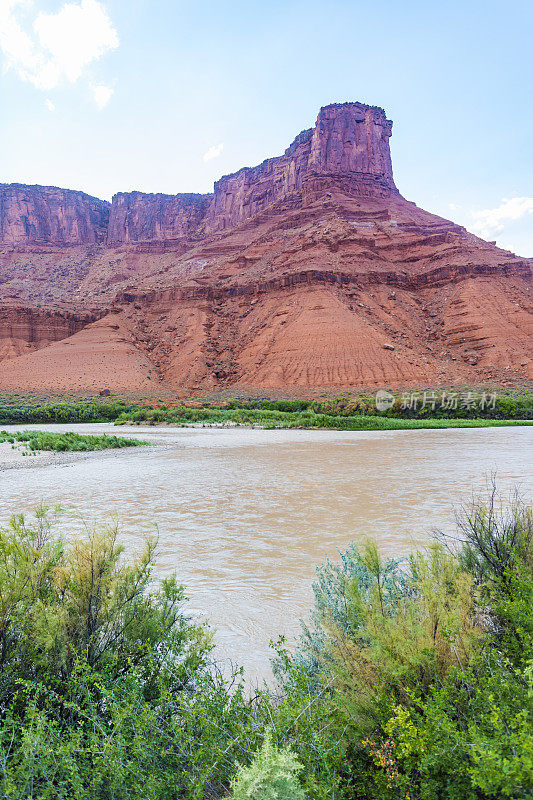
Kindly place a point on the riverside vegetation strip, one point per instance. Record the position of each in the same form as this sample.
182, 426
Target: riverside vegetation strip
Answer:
413, 680
36, 441
344, 413
305, 419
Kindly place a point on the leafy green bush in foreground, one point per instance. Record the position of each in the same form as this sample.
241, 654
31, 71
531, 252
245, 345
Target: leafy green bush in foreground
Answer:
412, 681
271, 775
429, 663
104, 686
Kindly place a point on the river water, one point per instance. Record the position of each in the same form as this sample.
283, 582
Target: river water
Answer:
244, 515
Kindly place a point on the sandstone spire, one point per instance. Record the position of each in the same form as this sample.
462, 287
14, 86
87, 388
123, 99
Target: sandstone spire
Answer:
352, 140
347, 149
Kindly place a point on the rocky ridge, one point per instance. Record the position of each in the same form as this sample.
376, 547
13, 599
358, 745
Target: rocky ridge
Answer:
347, 147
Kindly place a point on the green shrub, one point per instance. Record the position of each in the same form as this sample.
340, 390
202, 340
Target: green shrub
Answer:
426, 665
498, 551
106, 687
63, 442
413, 680
272, 775
61, 603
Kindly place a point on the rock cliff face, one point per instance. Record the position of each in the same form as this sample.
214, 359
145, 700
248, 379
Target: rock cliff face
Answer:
139, 217
48, 215
351, 138
348, 148
252, 189
309, 271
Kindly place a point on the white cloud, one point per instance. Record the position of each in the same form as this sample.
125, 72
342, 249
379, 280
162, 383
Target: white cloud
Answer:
102, 95
213, 152
56, 47
453, 206
49, 105
491, 221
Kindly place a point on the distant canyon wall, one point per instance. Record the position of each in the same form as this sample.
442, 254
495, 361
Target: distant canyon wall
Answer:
48, 215
347, 149
140, 217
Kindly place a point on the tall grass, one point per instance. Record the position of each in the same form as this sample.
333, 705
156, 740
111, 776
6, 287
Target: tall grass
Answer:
34, 441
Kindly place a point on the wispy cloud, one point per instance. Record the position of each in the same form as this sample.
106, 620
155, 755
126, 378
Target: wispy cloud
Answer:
49, 105
491, 221
213, 152
54, 48
102, 95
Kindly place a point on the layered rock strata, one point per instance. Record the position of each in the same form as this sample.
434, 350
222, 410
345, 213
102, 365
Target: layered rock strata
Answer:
309, 271
348, 148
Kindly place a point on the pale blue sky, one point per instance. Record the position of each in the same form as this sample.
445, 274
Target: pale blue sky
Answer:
113, 95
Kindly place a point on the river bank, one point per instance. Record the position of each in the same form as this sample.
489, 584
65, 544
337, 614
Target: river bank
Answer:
349, 424
382, 411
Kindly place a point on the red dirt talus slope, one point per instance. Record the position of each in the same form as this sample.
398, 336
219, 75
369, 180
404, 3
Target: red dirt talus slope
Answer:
308, 271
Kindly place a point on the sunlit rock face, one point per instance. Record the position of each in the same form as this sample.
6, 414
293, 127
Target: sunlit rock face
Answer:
348, 148
351, 138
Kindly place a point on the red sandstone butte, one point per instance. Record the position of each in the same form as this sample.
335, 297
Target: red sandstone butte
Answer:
309, 271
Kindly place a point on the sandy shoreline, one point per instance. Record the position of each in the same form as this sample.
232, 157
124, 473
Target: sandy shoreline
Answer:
15, 459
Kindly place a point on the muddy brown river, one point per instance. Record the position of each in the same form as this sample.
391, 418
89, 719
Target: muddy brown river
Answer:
245, 515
